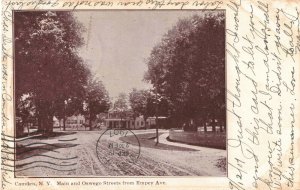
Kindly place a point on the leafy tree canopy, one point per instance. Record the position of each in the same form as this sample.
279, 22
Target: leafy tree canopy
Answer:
188, 66
47, 65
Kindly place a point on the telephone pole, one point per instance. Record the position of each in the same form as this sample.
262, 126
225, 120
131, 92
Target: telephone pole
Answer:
156, 110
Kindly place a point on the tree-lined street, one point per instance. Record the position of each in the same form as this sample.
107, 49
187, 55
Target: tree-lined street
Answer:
60, 92
186, 70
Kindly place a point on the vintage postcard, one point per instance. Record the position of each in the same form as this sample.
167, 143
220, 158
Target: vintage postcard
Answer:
150, 94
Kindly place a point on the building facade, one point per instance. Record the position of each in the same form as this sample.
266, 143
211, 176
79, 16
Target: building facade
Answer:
73, 121
161, 120
124, 120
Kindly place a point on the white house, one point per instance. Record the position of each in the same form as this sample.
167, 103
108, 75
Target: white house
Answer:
140, 122
73, 121
151, 121
125, 119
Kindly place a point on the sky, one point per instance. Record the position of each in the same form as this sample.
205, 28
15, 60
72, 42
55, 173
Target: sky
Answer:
118, 42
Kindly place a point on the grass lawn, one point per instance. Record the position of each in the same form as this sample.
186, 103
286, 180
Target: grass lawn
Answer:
204, 139
148, 140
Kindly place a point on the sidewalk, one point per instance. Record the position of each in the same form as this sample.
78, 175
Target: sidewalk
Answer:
163, 140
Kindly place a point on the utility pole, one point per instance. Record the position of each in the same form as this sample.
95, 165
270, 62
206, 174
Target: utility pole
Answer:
156, 110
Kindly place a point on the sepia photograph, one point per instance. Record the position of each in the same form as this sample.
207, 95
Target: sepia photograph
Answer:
120, 93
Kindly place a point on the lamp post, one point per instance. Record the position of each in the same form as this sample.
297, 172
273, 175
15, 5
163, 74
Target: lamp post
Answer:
156, 109
156, 117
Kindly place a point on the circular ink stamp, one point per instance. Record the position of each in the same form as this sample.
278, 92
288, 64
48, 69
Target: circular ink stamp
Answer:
111, 150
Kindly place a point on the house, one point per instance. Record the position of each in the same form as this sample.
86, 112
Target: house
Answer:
123, 119
151, 122
73, 121
118, 119
140, 122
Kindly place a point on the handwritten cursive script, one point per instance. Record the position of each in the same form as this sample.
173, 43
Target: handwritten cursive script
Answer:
263, 58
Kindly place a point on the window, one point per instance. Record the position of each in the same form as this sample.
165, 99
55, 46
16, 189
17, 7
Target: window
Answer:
137, 123
142, 123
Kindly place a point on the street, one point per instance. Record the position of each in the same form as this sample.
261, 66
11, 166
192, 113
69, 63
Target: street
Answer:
73, 153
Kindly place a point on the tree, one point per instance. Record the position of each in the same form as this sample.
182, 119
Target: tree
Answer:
46, 61
97, 99
147, 103
25, 110
138, 100
121, 107
68, 108
187, 68
121, 102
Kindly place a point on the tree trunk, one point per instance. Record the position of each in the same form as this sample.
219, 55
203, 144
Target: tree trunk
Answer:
20, 129
156, 123
64, 123
213, 124
145, 120
49, 124
59, 125
45, 116
28, 129
39, 117
40, 125
90, 121
134, 117
194, 125
205, 127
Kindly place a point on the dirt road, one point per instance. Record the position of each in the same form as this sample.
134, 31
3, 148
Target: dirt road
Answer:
77, 154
